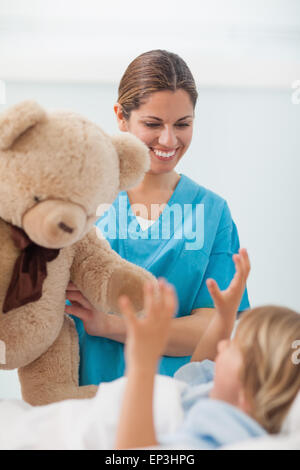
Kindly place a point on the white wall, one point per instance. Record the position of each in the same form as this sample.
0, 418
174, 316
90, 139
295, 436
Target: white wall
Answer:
246, 146
232, 42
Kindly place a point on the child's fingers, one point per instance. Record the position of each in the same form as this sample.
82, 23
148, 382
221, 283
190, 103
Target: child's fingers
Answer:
127, 309
170, 300
245, 261
164, 300
242, 266
158, 302
159, 299
148, 297
238, 277
214, 291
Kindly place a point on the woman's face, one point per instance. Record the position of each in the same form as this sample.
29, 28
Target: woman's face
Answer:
165, 124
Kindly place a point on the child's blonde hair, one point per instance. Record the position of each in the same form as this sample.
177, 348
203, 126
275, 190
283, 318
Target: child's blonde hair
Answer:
270, 374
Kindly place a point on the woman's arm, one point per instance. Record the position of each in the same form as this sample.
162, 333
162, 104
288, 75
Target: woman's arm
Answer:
146, 339
184, 333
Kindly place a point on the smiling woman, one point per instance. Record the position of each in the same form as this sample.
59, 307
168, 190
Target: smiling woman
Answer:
167, 130
156, 103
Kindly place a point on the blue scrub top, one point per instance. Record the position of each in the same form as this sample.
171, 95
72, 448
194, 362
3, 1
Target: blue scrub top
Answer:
193, 239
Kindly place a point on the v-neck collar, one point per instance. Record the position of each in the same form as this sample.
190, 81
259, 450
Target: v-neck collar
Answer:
134, 248
172, 200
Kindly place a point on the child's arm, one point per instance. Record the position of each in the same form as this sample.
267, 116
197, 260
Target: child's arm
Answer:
227, 303
146, 340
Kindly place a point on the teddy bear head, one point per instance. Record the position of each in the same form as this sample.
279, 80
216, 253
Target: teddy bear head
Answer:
58, 168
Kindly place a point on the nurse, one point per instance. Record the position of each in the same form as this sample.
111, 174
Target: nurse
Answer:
168, 224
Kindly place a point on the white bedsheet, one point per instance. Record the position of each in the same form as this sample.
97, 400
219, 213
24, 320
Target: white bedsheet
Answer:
83, 424
91, 424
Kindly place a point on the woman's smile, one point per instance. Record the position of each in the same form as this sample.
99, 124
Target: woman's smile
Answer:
164, 155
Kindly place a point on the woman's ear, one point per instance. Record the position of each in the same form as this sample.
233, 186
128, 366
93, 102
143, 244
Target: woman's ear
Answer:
122, 122
134, 159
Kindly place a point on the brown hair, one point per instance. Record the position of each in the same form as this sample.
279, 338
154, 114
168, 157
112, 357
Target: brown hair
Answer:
269, 375
154, 71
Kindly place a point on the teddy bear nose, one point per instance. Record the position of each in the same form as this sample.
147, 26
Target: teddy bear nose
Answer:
55, 223
65, 227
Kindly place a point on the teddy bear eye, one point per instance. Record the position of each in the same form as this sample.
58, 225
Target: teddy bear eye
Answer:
37, 198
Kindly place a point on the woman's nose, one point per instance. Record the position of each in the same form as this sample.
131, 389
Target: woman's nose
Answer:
168, 138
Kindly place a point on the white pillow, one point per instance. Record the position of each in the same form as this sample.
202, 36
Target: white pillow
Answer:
287, 439
292, 421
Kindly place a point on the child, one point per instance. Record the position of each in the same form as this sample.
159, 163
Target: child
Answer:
255, 378
254, 385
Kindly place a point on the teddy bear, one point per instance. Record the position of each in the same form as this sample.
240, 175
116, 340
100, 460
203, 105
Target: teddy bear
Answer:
56, 170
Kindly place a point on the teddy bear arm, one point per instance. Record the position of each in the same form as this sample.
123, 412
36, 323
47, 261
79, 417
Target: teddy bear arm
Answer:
103, 276
93, 264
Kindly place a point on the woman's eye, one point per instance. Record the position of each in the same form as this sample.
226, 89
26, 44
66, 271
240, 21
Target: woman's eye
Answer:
153, 124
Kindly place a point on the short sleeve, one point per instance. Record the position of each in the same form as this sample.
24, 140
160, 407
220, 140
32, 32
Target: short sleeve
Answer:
221, 267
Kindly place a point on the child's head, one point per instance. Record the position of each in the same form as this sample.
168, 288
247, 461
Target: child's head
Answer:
257, 370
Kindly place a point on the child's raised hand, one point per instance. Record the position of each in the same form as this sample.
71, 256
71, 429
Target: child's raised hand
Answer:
227, 302
147, 336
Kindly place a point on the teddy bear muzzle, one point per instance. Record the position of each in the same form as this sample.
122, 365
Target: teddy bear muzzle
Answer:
55, 223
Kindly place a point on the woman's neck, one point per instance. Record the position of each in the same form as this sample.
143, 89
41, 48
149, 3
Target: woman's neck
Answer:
155, 183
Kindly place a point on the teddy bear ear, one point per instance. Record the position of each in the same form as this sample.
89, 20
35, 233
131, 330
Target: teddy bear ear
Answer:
134, 159
16, 120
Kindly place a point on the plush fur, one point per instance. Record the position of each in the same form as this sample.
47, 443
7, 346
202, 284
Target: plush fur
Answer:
59, 167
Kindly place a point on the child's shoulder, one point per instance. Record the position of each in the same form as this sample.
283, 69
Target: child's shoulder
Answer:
196, 373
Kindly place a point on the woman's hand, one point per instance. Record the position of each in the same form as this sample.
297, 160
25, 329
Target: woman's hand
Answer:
227, 302
95, 322
147, 336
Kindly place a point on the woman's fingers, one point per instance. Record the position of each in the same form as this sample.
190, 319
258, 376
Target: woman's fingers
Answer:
76, 296
71, 286
78, 311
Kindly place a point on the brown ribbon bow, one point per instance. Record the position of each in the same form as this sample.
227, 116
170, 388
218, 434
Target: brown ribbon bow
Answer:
30, 271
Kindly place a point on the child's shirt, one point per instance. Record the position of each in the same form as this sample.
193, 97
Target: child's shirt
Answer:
208, 423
